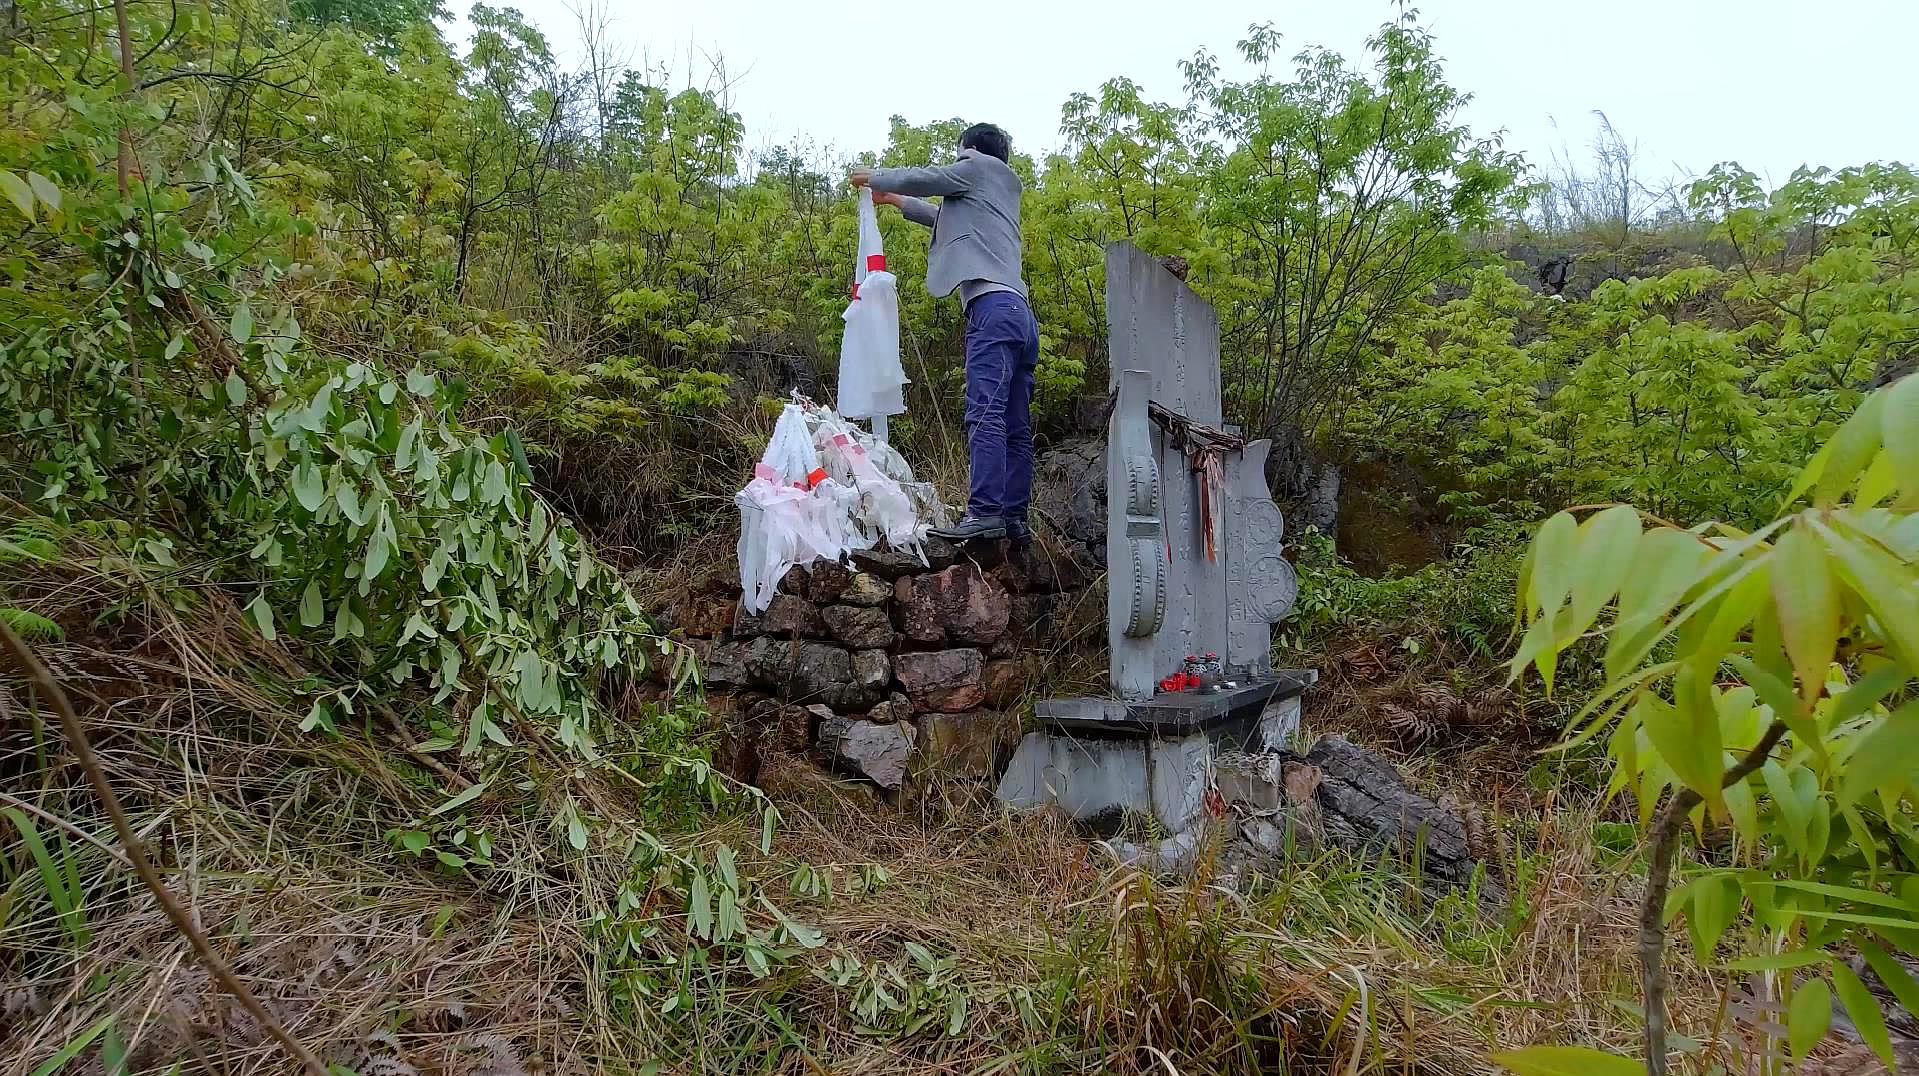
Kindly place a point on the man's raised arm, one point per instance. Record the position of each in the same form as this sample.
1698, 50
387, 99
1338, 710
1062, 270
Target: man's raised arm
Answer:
940, 180
917, 210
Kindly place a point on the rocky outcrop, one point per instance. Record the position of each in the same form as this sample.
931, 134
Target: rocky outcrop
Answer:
1341, 795
1069, 494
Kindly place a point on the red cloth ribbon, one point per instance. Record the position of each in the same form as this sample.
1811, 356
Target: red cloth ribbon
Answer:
876, 263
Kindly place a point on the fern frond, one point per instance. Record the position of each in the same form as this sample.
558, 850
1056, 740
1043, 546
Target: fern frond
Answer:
31, 626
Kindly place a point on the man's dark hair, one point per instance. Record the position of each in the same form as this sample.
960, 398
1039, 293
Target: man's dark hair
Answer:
989, 140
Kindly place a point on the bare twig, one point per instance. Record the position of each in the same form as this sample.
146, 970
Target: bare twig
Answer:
136, 855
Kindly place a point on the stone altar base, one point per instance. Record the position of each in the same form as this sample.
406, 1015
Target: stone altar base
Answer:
1155, 756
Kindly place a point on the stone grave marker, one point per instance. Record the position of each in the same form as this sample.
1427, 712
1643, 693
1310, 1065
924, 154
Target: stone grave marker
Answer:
1193, 567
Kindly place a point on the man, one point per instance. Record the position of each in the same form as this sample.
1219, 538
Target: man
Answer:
976, 250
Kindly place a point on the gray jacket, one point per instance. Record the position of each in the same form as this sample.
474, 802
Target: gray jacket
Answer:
976, 245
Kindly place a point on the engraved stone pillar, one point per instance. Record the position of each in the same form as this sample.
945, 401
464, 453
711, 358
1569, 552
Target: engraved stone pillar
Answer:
1135, 542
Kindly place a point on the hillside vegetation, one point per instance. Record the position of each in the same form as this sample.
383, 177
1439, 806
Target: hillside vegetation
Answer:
364, 390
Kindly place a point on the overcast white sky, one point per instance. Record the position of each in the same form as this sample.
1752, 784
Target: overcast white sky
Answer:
1770, 83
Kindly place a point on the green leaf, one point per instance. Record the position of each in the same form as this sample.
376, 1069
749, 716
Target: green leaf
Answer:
1807, 599
1866, 692
1685, 735
1883, 582
415, 841
1852, 449
262, 614
236, 388
1555, 550
575, 831
1715, 904
312, 605
308, 487
1892, 973
79, 1043
174, 346
65, 899
1567, 1061
1608, 545
1899, 428
1886, 757
419, 382
493, 487
1864, 1011
44, 189
699, 907
347, 495
1837, 892
460, 799
18, 193
241, 326
1808, 1017
1797, 958
379, 548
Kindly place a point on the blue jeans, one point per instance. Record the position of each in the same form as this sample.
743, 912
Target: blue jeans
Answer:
1002, 351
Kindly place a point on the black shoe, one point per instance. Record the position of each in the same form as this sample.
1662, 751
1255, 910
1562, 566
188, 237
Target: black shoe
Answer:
972, 528
1018, 531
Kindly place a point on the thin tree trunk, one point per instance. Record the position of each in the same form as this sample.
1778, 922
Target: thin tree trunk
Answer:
125, 164
1652, 910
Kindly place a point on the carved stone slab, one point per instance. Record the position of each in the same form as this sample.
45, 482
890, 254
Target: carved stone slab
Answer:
1260, 583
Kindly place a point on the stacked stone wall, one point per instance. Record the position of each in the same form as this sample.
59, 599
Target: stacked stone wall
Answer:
885, 667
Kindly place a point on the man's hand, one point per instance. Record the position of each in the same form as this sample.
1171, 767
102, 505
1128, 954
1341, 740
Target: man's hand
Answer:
886, 198
860, 177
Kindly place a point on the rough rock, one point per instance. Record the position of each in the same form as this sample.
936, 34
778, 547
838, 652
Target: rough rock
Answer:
826, 581
961, 604
797, 727
876, 752
1051, 569
1069, 492
721, 664
942, 681
859, 626
896, 707
973, 745
705, 611
795, 580
1255, 781
1364, 805
872, 673
1004, 682
918, 618
1306, 486
809, 672
864, 588
1014, 574
1031, 612
786, 616
890, 564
